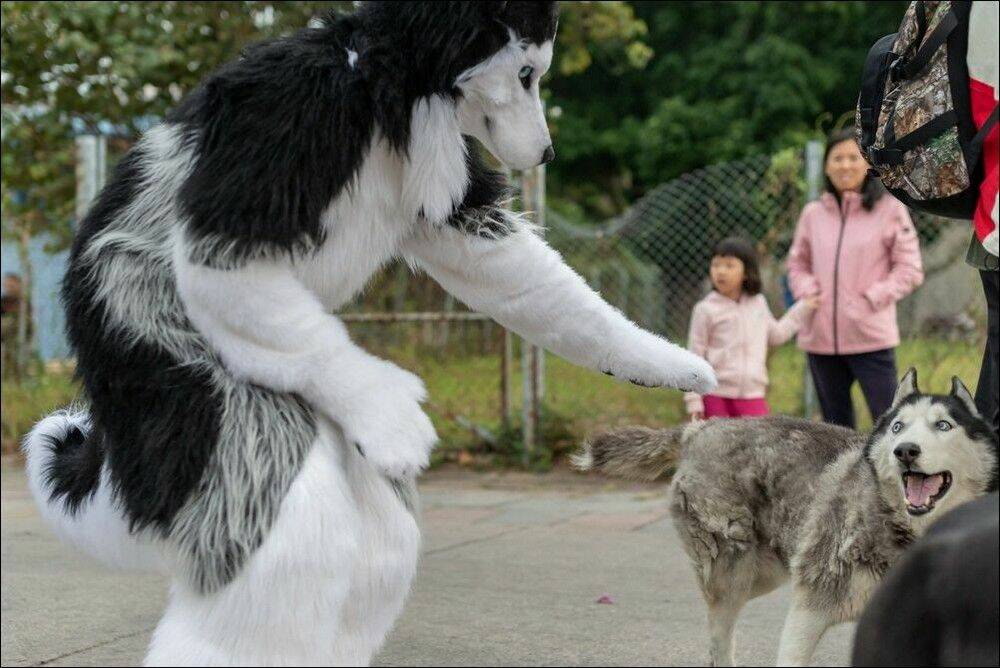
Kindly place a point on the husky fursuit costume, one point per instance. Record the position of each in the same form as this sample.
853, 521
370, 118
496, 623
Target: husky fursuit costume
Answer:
758, 500
234, 434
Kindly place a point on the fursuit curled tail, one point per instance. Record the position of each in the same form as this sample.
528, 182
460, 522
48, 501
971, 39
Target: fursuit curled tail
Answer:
759, 501
67, 476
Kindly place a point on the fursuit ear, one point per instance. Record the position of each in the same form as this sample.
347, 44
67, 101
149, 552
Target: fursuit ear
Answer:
961, 392
907, 386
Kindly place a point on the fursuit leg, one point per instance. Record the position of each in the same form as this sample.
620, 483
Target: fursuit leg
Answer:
287, 605
390, 545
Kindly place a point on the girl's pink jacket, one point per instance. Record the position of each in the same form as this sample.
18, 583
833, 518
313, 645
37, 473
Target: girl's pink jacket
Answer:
733, 336
860, 263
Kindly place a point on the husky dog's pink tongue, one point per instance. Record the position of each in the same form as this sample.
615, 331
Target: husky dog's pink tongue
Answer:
920, 488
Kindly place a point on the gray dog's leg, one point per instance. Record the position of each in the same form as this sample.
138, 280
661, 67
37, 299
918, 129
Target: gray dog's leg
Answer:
721, 619
804, 626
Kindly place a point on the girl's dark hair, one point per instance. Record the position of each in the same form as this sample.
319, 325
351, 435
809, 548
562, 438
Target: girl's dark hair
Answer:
871, 189
744, 251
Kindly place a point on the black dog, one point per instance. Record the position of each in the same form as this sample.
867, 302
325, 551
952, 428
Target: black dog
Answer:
940, 606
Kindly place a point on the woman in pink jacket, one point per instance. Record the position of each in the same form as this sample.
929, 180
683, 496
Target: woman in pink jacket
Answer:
856, 249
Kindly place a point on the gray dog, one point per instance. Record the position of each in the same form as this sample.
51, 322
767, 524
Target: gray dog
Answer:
758, 500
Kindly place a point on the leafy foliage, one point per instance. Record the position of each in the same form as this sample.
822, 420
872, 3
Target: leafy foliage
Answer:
640, 92
726, 80
105, 67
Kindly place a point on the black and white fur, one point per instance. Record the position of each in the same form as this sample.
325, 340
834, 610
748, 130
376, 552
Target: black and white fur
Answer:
235, 437
758, 502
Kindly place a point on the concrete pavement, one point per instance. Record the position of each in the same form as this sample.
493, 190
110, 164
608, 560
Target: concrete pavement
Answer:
511, 569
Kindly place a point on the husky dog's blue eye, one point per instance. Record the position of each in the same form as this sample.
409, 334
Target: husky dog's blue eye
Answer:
943, 425
897, 427
525, 75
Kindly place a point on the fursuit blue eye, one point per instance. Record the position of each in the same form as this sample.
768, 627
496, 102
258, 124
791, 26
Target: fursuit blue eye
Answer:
525, 75
943, 425
897, 427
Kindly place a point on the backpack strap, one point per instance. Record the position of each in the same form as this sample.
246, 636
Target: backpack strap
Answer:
893, 154
976, 143
907, 69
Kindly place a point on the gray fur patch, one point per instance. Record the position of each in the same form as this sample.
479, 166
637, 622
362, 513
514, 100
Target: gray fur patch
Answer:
264, 440
264, 436
489, 222
406, 491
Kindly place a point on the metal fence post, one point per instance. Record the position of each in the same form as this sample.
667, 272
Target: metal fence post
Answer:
91, 170
532, 357
814, 184
529, 414
506, 370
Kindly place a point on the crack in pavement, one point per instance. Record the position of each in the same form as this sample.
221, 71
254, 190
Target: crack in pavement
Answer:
94, 646
501, 534
473, 541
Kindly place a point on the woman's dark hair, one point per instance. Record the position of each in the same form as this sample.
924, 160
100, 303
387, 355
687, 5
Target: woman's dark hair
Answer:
871, 189
744, 251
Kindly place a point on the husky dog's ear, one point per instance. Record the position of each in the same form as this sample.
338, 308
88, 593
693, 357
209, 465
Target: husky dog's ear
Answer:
961, 392
907, 386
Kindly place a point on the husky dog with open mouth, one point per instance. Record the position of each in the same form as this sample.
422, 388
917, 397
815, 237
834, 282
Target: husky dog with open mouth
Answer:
757, 501
234, 436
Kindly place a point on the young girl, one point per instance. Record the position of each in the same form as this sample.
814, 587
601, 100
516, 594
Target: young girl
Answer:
732, 328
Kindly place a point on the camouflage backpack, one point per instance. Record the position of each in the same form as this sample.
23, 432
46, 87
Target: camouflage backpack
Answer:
914, 122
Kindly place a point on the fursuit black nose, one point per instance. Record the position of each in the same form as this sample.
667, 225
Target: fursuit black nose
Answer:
907, 453
548, 155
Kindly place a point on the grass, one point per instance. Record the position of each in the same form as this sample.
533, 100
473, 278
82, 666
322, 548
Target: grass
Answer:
577, 401
583, 401
36, 396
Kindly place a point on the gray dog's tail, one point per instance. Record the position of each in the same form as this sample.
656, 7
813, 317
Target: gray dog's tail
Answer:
637, 453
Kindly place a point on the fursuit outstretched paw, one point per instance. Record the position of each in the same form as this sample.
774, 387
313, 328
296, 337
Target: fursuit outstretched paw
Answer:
655, 362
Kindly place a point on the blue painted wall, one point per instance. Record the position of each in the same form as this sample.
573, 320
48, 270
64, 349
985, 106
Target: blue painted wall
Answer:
50, 335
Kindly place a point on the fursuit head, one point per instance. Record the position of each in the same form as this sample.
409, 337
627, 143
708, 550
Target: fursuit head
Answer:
758, 501
233, 436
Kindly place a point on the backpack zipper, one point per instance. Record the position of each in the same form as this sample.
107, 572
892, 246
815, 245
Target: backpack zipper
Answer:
836, 278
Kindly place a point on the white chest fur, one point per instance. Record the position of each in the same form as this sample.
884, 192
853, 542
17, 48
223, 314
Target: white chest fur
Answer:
364, 227
367, 222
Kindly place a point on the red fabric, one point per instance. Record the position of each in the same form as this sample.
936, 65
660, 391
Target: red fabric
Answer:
982, 106
727, 407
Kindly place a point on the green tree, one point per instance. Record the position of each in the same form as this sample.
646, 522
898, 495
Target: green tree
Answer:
725, 80
75, 66
83, 66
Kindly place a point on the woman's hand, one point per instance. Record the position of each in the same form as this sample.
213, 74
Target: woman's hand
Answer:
812, 303
697, 416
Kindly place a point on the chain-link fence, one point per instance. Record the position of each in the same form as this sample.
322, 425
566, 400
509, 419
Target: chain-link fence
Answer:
652, 261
